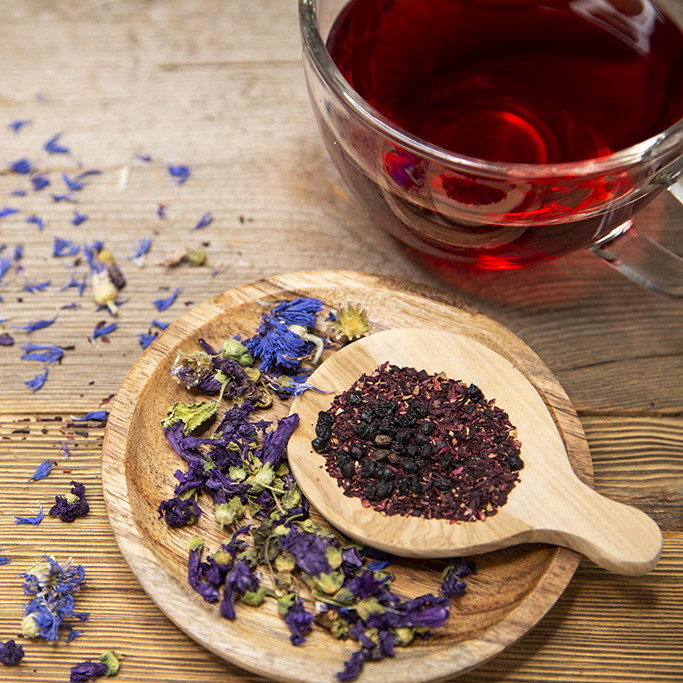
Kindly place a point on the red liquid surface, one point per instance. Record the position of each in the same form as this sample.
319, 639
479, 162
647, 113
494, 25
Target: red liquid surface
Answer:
515, 80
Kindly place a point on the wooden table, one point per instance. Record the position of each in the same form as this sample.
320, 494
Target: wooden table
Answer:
218, 86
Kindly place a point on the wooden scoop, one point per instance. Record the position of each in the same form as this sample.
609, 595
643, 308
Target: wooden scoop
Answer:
548, 505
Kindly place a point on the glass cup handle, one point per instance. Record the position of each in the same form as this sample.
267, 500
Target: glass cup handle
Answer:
643, 260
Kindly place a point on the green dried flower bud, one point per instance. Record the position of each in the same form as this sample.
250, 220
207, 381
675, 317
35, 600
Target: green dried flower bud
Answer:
228, 513
195, 543
404, 635
368, 606
29, 627
196, 257
111, 659
285, 562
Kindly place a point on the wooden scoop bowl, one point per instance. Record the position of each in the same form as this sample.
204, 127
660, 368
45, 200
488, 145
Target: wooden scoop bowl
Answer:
548, 505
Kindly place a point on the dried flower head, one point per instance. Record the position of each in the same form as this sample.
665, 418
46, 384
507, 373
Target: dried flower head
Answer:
351, 322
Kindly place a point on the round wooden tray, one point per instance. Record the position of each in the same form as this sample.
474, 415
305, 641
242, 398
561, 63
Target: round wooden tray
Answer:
512, 591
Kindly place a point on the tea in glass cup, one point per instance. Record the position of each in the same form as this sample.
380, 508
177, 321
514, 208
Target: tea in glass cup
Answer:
500, 133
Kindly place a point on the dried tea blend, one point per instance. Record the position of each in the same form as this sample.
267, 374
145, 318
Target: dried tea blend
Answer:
409, 443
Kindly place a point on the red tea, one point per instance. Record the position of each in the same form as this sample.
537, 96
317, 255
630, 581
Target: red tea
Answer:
515, 80
518, 81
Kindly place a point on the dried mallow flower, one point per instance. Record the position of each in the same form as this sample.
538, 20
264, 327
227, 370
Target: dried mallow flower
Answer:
52, 588
6, 340
11, 653
108, 665
71, 506
35, 521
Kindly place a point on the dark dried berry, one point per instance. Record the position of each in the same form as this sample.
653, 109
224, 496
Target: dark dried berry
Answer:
412, 449
369, 491
474, 393
382, 440
425, 450
357, 451
381, 454
415, 486
386, 473
362, 430
383, 490
367, 468
404, 435
443, 484
367, 415
406, 420
349, 470
341, 458
427, 428
515, 462
403, 487
354, 398
409, 465
445, 463
320, 445
325, 418
323, 430
385, 408
419, 409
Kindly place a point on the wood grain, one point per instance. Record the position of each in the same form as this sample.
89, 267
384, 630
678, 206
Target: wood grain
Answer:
516, 585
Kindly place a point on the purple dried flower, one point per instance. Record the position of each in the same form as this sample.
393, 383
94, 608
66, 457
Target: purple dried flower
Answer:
31, 520
52, 146
163, 304
73, 505
39, 181
161, 211
8, 211
239, 581
6, 340
299, 620
43, 470
18, 193
451, 579
33, 326
38, 381
204, 221
180, 173
44, 353
309, 551
11, 653
353, 666
275, 442
23, 166
37, 220
88, 671
177, 512
79, 218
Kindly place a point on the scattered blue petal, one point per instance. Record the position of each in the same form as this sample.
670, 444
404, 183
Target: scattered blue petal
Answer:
45, 353
144, 157
37, 382
8, 211
73, 304
52, 146
5, 265
33, 287
205, 221
18, 193
79, 218
17, 125
65, 449
140, 248
33, 326
4, 560
23, 166
159, 324
180, 173
89, 172
104, 330
31, 520
92, 415
146, 339
37, 220
43, 470
378, 565
73, 185
18, 252
39, 181
163, 304
161, 211
62, 197
62, 247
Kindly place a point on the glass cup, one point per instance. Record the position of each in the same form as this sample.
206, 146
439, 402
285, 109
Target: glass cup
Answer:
491, 215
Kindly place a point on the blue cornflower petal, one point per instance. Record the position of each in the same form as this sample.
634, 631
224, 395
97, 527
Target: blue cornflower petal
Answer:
4, 560
8, 211
92, 415
146, 339
302, 311
159, 324
377, 565
33, 287
52, 146
102, 331
65, 449
161, 211
79, 218
37, 220
62, 198
38, 325
18, 193
37, 382
139, 250
144, 157
39, 181
31, 520
180, 173
89, 172
43, 353
62, 247
5, 265
73, 185
42, 471
163, 304
205, 220
18, 252
23, 166
17, 125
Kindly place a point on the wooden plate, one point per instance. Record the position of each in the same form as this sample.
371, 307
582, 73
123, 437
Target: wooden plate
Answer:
514, 588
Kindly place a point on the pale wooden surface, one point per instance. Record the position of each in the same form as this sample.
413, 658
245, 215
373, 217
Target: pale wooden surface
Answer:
219, 86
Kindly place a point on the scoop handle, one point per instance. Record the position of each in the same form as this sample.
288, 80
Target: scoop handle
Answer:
617, 537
